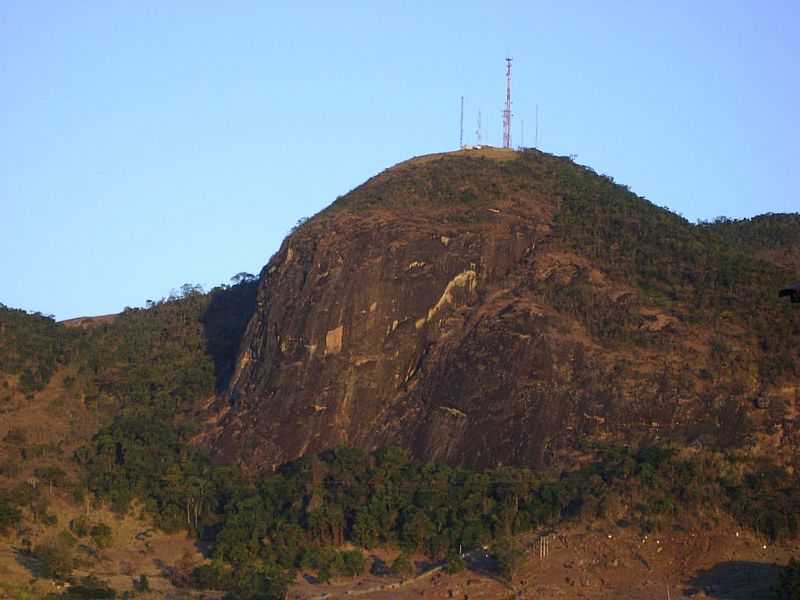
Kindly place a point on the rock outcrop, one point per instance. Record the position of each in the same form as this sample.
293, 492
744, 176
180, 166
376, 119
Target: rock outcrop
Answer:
435, 307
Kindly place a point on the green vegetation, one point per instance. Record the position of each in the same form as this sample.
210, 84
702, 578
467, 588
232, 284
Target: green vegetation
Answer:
761, 232
437, 182
102, 535
402, 565
264, 531
705, 273
163, 359
9, 516
57, 556
454, 562
32, 346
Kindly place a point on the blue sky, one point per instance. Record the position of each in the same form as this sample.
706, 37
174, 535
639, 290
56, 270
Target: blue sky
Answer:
148, 144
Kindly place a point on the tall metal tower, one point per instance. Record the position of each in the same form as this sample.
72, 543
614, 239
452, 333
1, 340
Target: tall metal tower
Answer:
478, 130
507, 111
461, 138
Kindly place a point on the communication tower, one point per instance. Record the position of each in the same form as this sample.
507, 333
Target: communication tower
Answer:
507, 111
478, 130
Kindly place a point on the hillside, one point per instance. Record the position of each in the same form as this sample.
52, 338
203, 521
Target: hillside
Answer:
471, 351
65, 385
496, 307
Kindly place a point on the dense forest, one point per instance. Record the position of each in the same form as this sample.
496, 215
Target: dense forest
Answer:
263, 531
166, 357
32, 346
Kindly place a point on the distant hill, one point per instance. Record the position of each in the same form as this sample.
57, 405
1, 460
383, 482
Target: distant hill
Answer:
772, 237
499, 307
85, 322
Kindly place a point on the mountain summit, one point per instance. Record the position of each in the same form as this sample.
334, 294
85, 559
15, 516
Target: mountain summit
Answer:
489, 307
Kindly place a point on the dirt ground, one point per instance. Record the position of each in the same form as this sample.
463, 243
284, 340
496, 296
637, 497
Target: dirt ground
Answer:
137, 550
721, 562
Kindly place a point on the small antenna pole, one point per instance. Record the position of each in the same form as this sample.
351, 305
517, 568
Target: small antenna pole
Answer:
461, 137
507, 111
478, 130
536, 142
522, 134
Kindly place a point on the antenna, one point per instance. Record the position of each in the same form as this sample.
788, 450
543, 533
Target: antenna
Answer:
461, 138
522, 133
478, 131
536, 141
507, 111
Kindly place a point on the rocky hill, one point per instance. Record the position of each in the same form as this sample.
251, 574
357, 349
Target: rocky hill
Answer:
496, 307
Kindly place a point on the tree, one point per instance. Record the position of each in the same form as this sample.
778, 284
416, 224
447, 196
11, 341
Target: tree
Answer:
57, 557
507, 555
402, 565
102, 535
455, 564
52, 475
9, 516
353, 563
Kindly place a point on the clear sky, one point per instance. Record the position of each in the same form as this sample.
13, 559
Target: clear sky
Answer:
148, 144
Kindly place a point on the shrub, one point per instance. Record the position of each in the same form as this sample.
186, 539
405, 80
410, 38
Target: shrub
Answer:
209, 577
80, 526
353, 563
9, 516
402, 565
57, 557
455, 564
102, 535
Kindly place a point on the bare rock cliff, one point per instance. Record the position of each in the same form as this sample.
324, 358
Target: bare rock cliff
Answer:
426, 308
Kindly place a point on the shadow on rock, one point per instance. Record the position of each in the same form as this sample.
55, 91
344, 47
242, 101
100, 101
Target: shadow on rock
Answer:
224, 324
736, 580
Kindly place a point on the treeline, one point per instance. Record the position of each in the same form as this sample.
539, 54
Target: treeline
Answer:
32, 346
704, 273
262, 531
763, 231
163, 358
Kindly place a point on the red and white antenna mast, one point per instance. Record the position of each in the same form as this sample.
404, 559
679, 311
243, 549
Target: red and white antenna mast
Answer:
507, 111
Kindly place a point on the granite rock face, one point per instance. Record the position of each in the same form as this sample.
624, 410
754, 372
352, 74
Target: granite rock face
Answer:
419, 310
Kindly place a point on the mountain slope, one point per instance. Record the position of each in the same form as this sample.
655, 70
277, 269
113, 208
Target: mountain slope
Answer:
497, 307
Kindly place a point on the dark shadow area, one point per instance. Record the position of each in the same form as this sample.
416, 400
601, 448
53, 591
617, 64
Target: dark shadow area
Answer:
736, 580
25, 557
423, 566
224, 323
379, 566
480, 561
